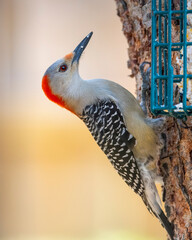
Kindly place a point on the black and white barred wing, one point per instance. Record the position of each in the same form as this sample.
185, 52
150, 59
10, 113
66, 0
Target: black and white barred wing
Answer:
106, 124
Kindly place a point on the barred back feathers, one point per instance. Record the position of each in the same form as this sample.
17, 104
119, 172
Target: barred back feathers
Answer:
105, 122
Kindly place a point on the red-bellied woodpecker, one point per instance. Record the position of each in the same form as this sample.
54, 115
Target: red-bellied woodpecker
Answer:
116, 121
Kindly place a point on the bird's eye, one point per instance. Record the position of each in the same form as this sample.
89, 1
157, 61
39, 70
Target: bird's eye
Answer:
63, 68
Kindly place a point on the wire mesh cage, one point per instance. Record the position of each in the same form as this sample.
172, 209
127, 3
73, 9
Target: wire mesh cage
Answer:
171, 78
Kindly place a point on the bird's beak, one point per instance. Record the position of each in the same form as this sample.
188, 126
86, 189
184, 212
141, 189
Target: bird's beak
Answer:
81, 47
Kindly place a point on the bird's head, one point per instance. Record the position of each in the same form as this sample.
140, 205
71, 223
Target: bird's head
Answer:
62, 74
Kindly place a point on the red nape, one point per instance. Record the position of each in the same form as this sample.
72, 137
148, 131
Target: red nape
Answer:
53, 97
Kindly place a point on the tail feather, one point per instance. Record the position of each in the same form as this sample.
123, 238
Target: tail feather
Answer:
152, 200
166, 224
162, 218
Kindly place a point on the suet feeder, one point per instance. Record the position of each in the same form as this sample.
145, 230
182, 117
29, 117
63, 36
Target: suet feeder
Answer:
171, 68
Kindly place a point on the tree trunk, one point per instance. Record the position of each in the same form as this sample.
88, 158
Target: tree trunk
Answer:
175, 164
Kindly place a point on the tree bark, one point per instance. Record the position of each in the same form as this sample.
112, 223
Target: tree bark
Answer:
175, 163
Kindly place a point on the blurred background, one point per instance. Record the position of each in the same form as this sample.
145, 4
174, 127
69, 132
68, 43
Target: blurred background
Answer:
55, 182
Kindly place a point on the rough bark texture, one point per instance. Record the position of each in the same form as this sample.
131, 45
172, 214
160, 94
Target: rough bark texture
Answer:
175, 164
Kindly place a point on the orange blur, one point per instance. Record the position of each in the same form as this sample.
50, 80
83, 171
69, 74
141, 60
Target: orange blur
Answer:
69, 56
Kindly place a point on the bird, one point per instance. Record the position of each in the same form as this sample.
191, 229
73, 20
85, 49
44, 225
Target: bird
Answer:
116, 121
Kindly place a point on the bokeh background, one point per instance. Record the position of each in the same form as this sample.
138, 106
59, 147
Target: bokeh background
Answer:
55, 182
